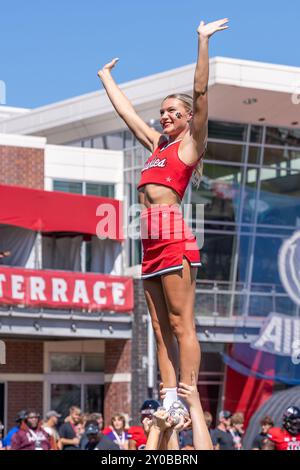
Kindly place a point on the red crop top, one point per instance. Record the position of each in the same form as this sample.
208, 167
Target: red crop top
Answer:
165, 167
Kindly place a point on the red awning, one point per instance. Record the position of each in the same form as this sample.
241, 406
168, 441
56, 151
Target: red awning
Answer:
52, 211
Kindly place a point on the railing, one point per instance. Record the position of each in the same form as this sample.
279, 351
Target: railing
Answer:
220, 299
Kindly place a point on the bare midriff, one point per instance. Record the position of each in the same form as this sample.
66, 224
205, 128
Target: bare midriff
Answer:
152, 194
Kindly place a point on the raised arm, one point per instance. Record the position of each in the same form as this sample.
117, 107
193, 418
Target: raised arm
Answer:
196, 139
158, 428
201, 436
145, 134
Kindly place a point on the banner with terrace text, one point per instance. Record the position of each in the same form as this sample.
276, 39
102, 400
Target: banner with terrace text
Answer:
62, 289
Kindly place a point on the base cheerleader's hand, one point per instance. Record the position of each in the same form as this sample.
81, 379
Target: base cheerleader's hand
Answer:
162, 391
207, 30
160, 420
107, 68
189, 392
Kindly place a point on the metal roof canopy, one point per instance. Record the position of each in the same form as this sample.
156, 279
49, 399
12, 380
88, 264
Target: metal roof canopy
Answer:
47, 324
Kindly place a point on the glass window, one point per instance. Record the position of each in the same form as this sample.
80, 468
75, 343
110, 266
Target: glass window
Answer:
93, 398
101, 190
256, 134
98, 142
227, 131
114, 141
265, 262
87, 143
67, 186
219, 191
254, 155
245, 245
217, 256
91, 189
264, 299
88, 255
283, 158
225, 152
210, 386
279, 202
94, 363
250, 193
65, 362
128, 139
283, 136
77, 143
63, 396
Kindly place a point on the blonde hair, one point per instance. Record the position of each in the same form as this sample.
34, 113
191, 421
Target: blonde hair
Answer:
237, 418
187, 102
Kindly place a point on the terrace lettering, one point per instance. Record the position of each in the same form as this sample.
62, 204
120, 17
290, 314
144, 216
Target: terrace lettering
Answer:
65, 290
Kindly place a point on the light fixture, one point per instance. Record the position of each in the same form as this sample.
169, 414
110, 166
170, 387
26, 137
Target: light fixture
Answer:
207, 333
294, 123
262, 119
110, 329
73, 328
250, 101
36, 326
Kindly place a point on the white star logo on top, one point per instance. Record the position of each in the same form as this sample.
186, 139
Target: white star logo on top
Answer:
168, 179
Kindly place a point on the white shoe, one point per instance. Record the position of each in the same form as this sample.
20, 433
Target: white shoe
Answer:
177, 410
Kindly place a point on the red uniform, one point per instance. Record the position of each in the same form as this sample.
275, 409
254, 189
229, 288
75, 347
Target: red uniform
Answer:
165, 167
166, 239
106, 430
283, 440
137, 434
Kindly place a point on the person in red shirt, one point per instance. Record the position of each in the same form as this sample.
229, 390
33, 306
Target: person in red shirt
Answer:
31, 435
287, 437
137, 435
170, 252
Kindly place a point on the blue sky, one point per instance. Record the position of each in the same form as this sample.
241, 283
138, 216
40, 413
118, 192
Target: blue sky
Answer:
51, 50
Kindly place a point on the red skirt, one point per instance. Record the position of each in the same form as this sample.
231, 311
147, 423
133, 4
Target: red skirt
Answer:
166, 240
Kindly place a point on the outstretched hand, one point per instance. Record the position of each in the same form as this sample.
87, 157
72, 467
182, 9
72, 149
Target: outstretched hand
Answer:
207, 30
108, 67
160, 420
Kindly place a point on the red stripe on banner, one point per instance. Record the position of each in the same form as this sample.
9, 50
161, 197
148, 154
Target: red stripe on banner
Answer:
246, 394
63, 289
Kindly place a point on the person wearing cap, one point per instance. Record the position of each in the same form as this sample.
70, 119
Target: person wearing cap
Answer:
31, 435
137, 435
221, 435
50, 426
95, 439
6, 442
